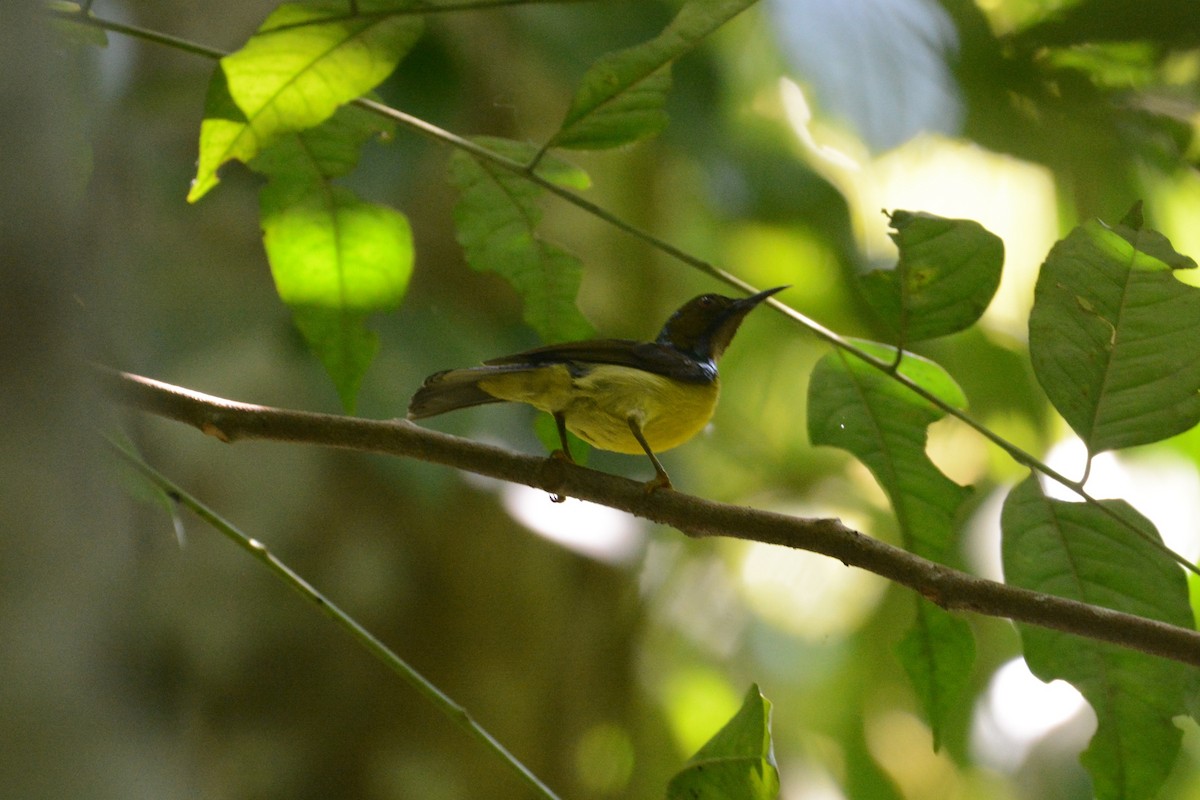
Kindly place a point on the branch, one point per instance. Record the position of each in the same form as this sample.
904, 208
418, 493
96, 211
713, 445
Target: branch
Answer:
232, 421
440, 135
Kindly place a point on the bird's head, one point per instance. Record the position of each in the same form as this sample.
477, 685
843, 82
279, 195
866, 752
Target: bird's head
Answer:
705, 326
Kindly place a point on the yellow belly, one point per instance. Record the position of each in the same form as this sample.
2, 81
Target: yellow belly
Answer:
597, 406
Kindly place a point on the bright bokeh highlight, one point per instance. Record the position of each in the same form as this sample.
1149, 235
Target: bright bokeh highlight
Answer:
698, 702
802, 781
809, 595
1018, 710
604, 759
1014, 199
595, 531
1161, 485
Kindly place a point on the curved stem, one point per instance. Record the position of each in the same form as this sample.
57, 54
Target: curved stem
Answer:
84, 17
373, 645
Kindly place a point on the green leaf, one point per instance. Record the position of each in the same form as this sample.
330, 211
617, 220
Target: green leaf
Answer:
344, 345
937, 653
224, 136
622, 97
1112, 336
330, 249
946, 275
737, 763
335, 258
496, 221
1078, 551
305, 61
857, 408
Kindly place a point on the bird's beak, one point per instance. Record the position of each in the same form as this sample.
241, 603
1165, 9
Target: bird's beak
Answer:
744, 305
727, 324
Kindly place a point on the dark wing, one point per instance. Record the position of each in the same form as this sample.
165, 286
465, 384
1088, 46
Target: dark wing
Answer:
455, 388
652, 357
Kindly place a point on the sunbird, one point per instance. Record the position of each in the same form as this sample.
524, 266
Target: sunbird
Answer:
615, 394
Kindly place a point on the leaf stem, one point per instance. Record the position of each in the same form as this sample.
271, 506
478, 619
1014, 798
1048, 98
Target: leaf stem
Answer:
373, 645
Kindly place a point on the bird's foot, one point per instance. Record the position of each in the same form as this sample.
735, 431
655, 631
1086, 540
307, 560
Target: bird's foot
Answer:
560, 455
659, 481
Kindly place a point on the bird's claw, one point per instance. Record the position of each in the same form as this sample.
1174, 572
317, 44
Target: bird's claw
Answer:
659, 481
560, 455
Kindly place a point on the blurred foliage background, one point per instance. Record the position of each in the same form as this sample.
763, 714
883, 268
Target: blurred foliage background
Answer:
600, 650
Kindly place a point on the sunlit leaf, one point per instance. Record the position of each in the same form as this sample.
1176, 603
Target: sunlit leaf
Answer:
1078, 551
1112, 336
622, 97
328, 248
335, 258
947, 272
305, 61
854, 406
737, 763
496, 222
275, 105
224, 136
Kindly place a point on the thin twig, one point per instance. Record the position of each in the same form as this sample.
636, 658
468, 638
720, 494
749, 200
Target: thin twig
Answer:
83, 17
373, 645
232, 421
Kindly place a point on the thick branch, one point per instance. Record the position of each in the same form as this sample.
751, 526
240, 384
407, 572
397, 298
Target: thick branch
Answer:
230, 421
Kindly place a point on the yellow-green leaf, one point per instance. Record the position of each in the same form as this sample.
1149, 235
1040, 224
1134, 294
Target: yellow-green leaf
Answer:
305, 61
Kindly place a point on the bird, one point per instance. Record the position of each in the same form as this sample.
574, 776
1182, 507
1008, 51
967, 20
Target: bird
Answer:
620, 395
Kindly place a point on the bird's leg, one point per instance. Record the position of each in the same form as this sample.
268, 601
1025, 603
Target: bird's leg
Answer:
660, 480
560, 422
564, 454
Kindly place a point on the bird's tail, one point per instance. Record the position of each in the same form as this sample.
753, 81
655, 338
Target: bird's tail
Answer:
455, 388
